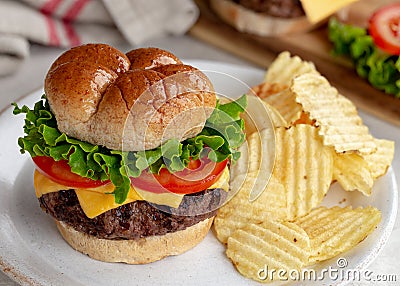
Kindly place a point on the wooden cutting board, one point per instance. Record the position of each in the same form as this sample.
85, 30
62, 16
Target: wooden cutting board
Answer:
313, 46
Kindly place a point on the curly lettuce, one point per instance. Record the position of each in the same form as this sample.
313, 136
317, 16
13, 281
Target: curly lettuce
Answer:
381, 69
222, 134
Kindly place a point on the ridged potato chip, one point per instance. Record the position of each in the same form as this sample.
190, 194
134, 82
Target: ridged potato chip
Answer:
304, 166
257, 156
319, 139
337, 117
304, 119
284, 68
259, 251
285, 103
240, 211
257, 115
353, 173
379, 161
260, 120
267, 89
276, 116
261, 151
335, 230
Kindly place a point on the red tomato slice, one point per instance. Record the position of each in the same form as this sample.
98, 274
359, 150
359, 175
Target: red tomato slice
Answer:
60, 172
199, 176
384, 27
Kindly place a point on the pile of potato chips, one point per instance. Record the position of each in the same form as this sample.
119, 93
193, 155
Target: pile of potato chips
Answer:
319, 139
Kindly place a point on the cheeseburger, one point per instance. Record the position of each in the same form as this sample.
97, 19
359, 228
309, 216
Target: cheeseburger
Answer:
131, 151
275, 17
263, 17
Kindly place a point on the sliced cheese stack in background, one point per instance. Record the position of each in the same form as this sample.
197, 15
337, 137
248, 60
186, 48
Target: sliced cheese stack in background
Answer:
318, 10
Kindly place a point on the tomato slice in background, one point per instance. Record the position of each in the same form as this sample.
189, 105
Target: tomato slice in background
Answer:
60, 172
198, 176
384, 28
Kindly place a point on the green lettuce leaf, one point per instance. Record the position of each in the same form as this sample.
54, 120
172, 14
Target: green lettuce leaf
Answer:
222, 135
381, 69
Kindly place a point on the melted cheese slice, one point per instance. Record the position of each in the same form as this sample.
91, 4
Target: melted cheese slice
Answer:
95, 201
318, 10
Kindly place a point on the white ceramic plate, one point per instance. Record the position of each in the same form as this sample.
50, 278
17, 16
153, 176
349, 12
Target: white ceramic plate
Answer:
32, 251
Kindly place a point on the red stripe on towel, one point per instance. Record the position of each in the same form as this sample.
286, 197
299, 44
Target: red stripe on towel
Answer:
54, 40
50, 6
69, 16
73, 37
74, 10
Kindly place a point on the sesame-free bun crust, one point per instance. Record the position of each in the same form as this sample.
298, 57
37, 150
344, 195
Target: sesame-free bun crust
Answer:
147, 58
127, 102
141, 251
102, 55
249, 21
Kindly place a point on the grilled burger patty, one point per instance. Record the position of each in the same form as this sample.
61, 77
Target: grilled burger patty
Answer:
133, 220
276, 8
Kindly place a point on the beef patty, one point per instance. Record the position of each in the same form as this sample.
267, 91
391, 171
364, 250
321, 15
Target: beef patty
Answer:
275, 8
133, 220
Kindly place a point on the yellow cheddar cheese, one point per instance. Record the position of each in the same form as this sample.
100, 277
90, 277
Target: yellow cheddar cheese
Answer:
95, 201
318, 10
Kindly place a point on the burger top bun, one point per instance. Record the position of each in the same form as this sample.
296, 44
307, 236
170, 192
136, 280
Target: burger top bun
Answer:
100, 54
147, 58
129, 102
260, 24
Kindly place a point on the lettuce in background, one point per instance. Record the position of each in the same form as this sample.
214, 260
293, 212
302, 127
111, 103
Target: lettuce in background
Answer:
382, 70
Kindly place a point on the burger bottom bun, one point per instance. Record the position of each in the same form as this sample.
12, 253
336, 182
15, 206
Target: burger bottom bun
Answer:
249, 21
144, 250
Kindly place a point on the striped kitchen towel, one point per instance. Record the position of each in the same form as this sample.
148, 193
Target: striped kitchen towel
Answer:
68, 23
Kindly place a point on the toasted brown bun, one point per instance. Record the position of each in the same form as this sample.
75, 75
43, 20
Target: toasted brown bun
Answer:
97, 95
140, 251
249, 21
100, 54
147, 58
